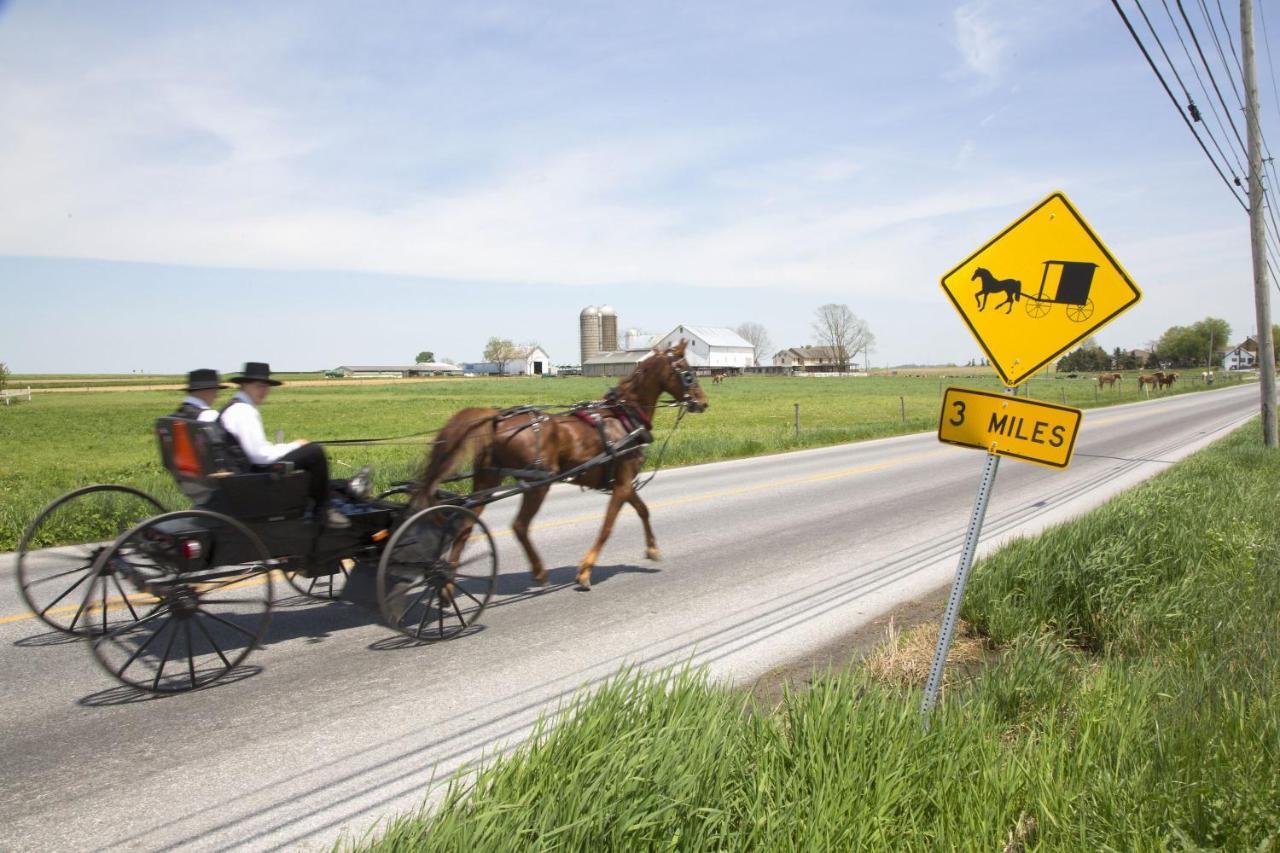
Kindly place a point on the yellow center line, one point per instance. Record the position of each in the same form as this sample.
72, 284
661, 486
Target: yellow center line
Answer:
118, 602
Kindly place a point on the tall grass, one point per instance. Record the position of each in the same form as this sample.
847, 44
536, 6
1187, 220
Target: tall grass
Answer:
1134, 705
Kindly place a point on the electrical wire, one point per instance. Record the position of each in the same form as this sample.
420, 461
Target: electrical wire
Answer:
1164, 84
1212, 80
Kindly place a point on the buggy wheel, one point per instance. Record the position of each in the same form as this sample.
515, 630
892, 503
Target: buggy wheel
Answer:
1080, 313
1037, 309
437, 573
321, 587
211, 576
57, 552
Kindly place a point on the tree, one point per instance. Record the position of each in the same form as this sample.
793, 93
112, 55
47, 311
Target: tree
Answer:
840, 330
4, 374
500, 350
425, 356
756, 335
1085, 359
1189, 346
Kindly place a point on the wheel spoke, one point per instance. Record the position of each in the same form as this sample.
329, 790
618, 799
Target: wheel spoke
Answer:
81, 568
212, 642
454, 602
470, 596
191, 661
155, 685
426, 611
83, 604
127, 603
215, 617
105, 589
139, 650
64, 594
440, 616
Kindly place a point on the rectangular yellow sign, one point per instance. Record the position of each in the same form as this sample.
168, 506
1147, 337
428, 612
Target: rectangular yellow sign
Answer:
1008, 426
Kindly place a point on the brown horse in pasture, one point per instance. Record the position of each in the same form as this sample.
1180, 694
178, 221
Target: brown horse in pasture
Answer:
503, 441
1166, 379
717, 376
1155, 380
1109, 379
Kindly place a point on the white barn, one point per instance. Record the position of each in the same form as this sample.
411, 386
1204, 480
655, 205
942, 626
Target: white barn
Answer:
711, 347
524, 361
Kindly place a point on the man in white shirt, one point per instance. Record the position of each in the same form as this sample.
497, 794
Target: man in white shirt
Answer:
242, 421
202, 388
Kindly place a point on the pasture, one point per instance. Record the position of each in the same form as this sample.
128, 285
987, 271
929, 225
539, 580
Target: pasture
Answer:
61, 441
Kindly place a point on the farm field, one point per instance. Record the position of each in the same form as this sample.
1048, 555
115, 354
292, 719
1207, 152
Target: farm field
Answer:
61, 441
1119, 690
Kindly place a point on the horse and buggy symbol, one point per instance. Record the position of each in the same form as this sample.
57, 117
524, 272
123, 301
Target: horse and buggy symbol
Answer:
1065, 283
173, 601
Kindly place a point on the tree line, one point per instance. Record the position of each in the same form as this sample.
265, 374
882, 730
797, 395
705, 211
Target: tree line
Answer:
1201, 344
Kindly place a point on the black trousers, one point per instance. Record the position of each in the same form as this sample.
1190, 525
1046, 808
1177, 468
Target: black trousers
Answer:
311, 458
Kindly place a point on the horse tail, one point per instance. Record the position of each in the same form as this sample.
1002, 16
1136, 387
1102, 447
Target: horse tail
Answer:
468, 430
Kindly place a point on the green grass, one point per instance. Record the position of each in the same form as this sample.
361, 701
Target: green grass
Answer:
1135, 705
60, 441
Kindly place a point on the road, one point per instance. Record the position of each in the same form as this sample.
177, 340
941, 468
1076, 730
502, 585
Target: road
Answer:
334, 727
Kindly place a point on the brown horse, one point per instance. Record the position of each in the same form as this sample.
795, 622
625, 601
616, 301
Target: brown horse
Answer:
717, 377
1152, 379
1166, 379
1109, 379
499, 441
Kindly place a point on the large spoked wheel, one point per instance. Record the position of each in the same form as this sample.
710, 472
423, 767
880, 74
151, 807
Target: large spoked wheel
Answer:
1080, 313
1037, 309
211, 577
57, 552
321, 587
437, 573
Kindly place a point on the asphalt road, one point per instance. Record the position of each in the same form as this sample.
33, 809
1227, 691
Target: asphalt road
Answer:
333, 727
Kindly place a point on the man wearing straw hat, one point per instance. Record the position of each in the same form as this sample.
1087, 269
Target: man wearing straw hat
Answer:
241, 420
202, 388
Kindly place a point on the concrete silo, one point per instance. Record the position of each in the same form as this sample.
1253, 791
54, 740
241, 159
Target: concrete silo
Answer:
608, 328
589, 332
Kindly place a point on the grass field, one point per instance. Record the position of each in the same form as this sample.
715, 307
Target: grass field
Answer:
58, 442
1132, 702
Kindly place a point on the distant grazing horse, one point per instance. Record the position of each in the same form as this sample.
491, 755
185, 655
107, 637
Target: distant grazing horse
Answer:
1010, 287
717, 377
1153, 379
501, 441
1109, 379
1166, 379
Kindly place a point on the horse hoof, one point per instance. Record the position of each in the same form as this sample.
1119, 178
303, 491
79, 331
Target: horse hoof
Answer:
540, 580
584, 581
653, 554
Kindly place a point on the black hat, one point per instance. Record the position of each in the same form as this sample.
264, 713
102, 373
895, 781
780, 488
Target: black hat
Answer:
256, 371
203, 379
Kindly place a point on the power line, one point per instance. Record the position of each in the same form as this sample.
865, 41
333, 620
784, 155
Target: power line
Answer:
1212, 80
1266, 42
1164, 84
1208, 99
1213, 32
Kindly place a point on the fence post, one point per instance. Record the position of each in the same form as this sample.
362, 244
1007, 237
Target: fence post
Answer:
797, 420
902, 405
1064, 395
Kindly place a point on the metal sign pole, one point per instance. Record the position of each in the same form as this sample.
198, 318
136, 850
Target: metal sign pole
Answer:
957, 588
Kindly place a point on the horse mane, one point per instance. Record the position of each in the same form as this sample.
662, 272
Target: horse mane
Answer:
628, 387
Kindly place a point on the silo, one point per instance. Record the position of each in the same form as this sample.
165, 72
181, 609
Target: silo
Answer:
632, 339
589, 332
608, 328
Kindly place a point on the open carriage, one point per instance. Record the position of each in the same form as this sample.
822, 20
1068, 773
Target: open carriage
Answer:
173, 601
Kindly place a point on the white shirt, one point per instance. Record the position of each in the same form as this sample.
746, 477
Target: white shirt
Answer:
243, 421
206, 413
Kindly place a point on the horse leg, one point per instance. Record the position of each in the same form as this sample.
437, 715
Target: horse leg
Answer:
1008, 300
616, 498
981, 298
650, 543
529, 506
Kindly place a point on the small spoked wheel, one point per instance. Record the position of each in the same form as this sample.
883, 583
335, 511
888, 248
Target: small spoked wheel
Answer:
437, 573
325, 587
57, 552
1080, 313
1037, 309
211, 578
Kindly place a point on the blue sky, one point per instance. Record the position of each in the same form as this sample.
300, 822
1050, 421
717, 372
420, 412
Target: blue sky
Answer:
314, 184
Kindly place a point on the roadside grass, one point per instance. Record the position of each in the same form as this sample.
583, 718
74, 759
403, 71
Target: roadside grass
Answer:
62, 441
1133, 704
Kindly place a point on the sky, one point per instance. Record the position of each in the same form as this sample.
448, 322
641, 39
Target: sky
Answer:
314, 184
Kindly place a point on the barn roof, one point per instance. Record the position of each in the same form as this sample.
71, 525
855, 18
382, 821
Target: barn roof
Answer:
716, 336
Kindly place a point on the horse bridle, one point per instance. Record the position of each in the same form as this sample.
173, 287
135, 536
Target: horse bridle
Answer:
688, 379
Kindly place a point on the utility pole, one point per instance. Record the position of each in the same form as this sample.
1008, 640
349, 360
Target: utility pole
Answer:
1261, 294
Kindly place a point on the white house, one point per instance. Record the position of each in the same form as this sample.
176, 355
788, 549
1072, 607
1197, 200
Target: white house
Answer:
1242, 357
814, 359
711, 347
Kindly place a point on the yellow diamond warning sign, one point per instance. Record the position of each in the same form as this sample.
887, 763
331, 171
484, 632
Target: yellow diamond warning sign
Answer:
1008, 426
1038, 288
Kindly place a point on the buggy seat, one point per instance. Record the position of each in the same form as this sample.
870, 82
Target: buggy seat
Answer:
200, 457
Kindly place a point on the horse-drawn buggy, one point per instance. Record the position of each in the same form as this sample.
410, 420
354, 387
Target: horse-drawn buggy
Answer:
174, 601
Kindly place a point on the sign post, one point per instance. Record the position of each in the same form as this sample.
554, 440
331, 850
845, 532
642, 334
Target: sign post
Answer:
1031, 293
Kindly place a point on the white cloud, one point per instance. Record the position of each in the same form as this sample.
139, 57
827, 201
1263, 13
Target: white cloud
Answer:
979, 39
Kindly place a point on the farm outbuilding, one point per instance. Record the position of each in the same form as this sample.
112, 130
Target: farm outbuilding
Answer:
617, 363
524, 361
